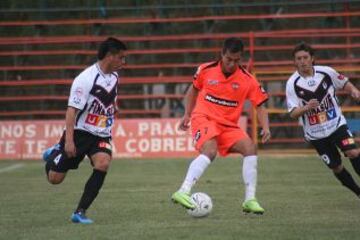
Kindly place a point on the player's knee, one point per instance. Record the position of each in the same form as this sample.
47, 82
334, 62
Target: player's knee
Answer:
353, 153
55, 178
337, 169
250, 150
210, 153
102, 165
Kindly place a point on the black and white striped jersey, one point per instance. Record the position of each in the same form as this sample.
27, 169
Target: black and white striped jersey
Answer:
94, 94
326, 118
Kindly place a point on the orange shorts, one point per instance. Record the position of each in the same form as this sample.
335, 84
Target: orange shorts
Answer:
204, 129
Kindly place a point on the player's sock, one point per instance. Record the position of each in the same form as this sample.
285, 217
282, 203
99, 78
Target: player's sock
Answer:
355, 162
249, 172
91, 190
346, 179
196, 169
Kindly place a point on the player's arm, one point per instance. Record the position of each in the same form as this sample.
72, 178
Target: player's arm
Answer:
70, 149
352, 90
263, 118
79, 93
297, 112
190, 101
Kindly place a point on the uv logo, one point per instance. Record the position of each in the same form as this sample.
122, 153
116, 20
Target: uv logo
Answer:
99, 120
322, 117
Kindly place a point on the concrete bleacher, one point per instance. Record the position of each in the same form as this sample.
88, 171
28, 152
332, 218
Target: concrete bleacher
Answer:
40, 55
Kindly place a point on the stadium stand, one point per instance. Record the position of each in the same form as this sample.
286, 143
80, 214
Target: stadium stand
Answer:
46, 46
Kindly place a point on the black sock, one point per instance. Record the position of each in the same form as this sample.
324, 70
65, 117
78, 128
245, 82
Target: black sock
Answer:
91, 190
355, 162
346, 179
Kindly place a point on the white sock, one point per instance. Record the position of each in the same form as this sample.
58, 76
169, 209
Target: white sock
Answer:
196, 169
250, 176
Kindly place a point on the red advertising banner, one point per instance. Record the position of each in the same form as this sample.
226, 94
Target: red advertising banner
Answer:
133, 138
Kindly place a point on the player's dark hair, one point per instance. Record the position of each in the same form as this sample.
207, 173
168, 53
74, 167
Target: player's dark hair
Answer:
111, 45
233, 45
303, 46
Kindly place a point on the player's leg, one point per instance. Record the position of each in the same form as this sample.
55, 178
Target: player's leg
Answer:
55, 166
247, 148
48, 152
101, 158
196, 168
204, 133
346, 142
328, 152
354, 156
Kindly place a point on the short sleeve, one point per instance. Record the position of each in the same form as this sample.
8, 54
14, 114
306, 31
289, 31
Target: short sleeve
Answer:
338, 79
292, 100
79, 92
198, 80
257, 94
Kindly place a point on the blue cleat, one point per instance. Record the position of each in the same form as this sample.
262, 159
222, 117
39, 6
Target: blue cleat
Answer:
47, 153
79, 217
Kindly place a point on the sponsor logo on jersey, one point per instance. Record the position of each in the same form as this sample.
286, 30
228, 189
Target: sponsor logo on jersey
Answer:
341, 77
99, 120
220, 101
76, 100
322, 117
105, 145
347, 141
79, 91
323, 113
213, 82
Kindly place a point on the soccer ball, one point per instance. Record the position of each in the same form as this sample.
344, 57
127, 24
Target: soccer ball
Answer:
203, 205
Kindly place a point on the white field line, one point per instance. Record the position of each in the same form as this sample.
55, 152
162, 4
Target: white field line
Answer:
11, 167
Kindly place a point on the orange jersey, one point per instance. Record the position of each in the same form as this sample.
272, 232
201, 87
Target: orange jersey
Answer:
222, 98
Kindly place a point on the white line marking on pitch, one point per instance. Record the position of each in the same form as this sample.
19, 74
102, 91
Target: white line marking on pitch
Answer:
11, 167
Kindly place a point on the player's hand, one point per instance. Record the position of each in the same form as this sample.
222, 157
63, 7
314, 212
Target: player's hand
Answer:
355, 94
70, 149
184, 123
313, 103
265, 135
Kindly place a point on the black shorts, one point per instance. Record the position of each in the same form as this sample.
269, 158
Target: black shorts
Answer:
327, 148
86, 144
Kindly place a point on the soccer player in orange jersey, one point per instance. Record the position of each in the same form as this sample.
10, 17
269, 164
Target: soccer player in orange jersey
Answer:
214, 104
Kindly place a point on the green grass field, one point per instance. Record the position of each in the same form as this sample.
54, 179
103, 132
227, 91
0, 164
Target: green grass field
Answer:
301, 197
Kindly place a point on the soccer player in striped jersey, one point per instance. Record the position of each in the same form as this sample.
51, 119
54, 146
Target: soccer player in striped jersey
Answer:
311, 98
89, 119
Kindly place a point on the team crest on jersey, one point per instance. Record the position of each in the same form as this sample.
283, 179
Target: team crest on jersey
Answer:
213, 82
235, 85
311, 83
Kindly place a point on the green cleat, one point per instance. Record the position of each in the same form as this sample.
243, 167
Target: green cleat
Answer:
252, 206
183, 199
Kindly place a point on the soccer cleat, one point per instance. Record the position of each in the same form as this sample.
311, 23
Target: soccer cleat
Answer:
252, 206
47, 153
183, 199
79, 217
